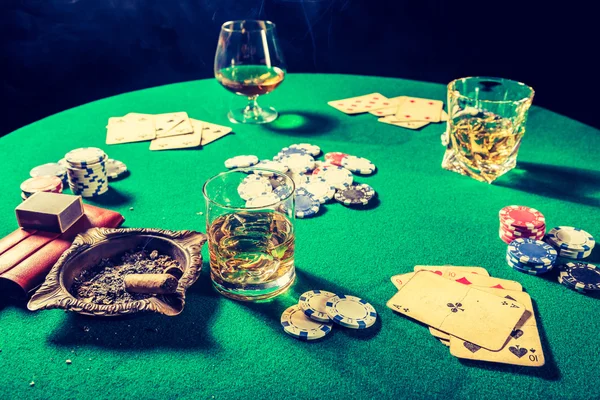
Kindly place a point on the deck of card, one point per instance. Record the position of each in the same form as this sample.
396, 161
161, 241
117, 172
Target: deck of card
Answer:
403, 111
477, 316
165, 131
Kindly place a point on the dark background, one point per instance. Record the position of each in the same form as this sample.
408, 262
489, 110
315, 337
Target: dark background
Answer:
57, 54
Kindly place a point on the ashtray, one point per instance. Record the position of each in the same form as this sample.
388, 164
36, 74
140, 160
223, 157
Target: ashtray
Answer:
95, 244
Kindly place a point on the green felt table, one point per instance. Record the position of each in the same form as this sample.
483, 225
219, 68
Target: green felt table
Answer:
219, 348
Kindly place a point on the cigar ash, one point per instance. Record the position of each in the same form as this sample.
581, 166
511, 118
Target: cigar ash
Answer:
104, 282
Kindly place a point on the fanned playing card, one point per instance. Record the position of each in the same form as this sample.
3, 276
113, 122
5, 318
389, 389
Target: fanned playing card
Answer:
391, 110
172, 124
463, 311
391, 120
451, 271
129, 129
524, 346
417, 109
212, 132
465, 279
361, 104
180, 141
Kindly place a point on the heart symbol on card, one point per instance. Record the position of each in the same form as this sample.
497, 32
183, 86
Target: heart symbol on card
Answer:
517, 333
472, 347
519, 352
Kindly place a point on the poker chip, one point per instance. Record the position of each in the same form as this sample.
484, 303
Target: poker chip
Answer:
351, 312
580, 275
569, 285
297, 177
254, 186
570, 239
241, 161
319, 188
338, 177
306, 204
272, 165
335, 158
313, 304
358, 165
115, 168
298, 325
287, 151
264, 200
522, 217
85, 156
298, 163
282, 192
353, 195
277, 180
320, 164
53, 169
525, 268
47, 183
63, 162
311, 149
508, 237
532, 252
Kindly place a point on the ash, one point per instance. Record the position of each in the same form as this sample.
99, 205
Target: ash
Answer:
103, 283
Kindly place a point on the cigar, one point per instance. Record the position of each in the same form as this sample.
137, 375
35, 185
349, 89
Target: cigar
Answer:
175, 271
150, 283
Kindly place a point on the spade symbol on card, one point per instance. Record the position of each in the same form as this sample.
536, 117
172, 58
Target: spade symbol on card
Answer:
517, 351
517, 333
472, 347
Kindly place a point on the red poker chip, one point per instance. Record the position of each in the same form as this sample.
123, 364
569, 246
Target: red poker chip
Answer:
335, 158
522, 217
507, 237
521, 232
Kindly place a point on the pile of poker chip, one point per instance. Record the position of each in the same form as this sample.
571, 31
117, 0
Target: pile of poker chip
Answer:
317, 181
318, 310
87, 181
521, 222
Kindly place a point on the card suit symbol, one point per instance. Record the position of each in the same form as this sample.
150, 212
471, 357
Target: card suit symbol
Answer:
379, 112
353, 105
464, 281
358, 101
375, 98
407, 116
340, 104
532, 350
472, 347
430, 103
440, 273
142, 119
406, 310
367, 106
426, 117
121, 121
159, 129
504, 303
517, 333
498, 286
513, 305
385, 104
412, 101
371, 102
510, 298
517, 351
171, 120
455, 307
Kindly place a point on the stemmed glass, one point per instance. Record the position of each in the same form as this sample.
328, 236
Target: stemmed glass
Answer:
249, 62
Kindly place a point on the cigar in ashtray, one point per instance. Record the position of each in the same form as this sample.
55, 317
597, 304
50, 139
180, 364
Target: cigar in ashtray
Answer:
150, 283
176, 271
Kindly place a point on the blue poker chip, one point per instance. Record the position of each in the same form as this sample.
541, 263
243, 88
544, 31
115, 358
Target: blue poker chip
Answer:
527, 265
568, 285
283, 192
307, 205
295, 323
350, 312
580, 275
531, 251
526, 269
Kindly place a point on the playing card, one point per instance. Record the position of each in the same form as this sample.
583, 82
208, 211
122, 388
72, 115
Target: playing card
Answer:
129, 129
417, 109
444, 342
212, 132
361, 104
463, 311
451, 271
444, 116
172, 124
439, 334
524, 346
390, 120
466, 279
180, 141
391, 110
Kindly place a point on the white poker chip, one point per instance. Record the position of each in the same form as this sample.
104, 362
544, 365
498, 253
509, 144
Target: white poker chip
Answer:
297, 177
313, 303
241, 161
263, 200
254, 186
85, 156
52, 169
570, 238
63, 162
272, 165
358, 165
311, 149
298, 325
115, 168
351, 312
318, 187
298, 162
338, 177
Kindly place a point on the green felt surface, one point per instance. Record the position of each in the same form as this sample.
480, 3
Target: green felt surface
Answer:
218, 348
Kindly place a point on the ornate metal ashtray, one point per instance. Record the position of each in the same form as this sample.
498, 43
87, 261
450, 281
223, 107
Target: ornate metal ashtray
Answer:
97, 244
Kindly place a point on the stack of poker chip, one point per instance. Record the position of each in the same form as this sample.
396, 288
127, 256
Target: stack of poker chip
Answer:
531, 256
318, 310
46, 183
86, 171
521, 222
579, 276
571, 242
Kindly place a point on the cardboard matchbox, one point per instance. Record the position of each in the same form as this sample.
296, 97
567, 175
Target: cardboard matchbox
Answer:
50, 212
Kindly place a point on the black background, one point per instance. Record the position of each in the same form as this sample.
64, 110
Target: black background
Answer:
57, 54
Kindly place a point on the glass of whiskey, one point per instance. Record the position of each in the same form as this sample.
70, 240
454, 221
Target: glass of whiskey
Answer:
486, 123
251, 235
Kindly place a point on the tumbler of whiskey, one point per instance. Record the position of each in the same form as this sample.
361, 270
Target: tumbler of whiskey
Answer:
250, 228
485, 127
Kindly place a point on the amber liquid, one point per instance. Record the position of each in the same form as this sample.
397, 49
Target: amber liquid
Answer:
250, 80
